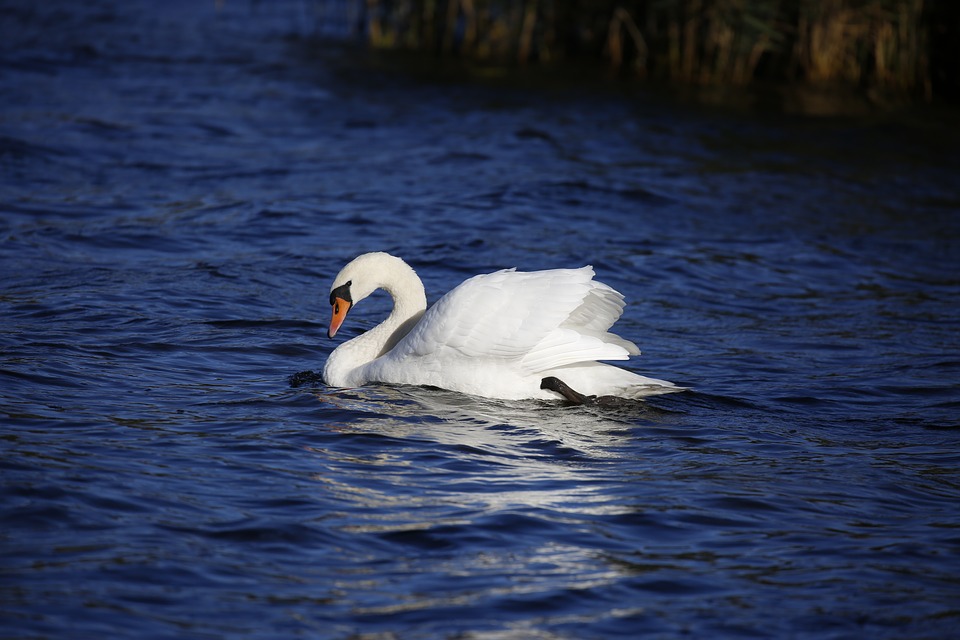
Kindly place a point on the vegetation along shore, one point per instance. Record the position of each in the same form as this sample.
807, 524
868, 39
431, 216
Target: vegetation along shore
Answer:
906, 49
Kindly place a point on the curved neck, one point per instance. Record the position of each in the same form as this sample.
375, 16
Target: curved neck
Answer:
377, 271
409, 305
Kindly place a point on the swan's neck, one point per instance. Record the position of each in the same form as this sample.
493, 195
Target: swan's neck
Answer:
409, 304
344, 367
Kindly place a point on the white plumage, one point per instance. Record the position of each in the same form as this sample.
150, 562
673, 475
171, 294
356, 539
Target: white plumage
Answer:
495, 335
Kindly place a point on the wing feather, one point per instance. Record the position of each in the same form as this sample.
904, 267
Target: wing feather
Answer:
540, 320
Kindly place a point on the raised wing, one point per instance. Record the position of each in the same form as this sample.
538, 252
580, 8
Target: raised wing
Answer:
540, 319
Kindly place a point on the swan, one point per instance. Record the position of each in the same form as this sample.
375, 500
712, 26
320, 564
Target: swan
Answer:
497, 335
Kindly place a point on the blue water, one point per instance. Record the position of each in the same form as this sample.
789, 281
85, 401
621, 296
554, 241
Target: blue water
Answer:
179, 183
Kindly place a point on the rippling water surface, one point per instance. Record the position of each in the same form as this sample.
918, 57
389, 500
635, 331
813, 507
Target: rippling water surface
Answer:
179, 184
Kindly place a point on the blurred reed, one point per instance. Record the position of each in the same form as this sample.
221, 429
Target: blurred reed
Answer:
878, 45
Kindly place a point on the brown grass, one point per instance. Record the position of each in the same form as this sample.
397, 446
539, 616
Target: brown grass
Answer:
869, 44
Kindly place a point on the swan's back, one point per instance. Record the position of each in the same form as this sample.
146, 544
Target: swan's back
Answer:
536, 320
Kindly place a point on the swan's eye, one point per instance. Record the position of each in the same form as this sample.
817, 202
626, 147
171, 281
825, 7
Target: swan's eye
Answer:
341, 293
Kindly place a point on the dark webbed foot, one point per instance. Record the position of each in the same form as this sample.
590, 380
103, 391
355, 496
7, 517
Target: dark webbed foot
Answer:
551, 383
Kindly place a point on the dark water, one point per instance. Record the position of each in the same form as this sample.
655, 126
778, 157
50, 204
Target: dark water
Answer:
180, 184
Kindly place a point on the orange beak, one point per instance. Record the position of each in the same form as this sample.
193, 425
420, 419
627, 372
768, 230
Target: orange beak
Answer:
340, 308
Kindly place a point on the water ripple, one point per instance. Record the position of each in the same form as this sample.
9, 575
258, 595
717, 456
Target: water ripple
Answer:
178, 192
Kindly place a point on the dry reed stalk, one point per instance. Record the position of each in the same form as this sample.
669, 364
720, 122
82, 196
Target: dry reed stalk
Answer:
673, 50
373, 23
690, 61
878, 44
832, 46
526, 31
614, 47
898, 49
719, 42
451, 25
471, 27
428, 17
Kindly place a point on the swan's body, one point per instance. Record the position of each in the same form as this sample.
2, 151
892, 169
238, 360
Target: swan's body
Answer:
495, 335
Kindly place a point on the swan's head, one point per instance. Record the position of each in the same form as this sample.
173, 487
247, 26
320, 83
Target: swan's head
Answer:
362, 276
341, 299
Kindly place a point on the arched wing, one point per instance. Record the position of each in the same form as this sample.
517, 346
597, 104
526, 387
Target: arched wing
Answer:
540, 319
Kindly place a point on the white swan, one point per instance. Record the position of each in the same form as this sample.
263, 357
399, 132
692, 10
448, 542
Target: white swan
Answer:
496, 335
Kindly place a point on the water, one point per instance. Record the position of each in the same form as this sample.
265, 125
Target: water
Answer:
180, 185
